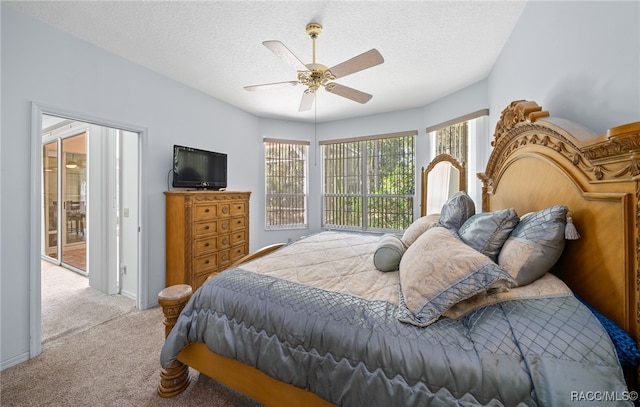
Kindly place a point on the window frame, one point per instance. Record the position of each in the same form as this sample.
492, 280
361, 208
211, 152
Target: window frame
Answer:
365, 194
305, 181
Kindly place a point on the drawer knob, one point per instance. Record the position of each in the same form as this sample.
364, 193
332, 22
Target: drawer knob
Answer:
206, 210
206, 262
206, 227
206, 244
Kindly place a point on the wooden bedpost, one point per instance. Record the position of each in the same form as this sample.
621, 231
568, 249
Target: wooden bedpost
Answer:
175, 378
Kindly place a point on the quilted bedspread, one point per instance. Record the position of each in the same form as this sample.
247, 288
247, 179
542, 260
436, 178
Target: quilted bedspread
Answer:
346, 344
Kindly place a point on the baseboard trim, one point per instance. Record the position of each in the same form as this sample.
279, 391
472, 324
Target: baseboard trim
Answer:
16, 360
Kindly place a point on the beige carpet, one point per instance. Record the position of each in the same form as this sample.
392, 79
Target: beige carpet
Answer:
69, 305
110, 359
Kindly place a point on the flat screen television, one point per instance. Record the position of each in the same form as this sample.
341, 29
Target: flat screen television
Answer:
200, 169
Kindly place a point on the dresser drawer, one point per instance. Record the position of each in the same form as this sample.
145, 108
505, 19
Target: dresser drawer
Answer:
205, 228
239, 222
238, 208
224, 241
238, 237
205, 263
199, 279
224, 258
224, 210
238, 251
205, 211
203, 246
224, 225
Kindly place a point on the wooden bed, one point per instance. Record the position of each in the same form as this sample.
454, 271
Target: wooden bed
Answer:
537, 161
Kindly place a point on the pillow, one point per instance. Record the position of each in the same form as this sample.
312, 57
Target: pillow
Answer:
388, 253
534, 245
546, 286
418, 227
437, 271
457, 210
487, 232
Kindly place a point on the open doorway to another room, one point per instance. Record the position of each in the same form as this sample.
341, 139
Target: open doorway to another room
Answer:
90, 224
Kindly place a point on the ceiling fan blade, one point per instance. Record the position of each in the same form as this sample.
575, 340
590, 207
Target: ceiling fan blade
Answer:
287, 56
307, 101
357, 63
274, 85
348, 93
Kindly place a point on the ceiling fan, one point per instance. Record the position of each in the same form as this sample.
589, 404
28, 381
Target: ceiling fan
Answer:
314, 75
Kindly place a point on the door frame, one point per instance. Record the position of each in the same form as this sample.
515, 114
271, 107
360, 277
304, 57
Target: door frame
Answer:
35, 295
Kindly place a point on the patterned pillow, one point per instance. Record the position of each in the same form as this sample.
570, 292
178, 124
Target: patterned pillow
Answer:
534, 245
438, 271
388, 253
486, 232
457, 210
418, 227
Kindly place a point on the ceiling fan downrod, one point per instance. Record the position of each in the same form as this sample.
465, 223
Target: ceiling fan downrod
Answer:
318, 75
313, 30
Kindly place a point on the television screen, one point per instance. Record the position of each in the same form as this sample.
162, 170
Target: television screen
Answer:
194, 168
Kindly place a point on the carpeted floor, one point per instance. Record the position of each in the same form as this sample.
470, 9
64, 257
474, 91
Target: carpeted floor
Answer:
112, 360
69, 305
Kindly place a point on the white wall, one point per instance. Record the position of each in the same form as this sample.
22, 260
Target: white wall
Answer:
579, 60
46, 66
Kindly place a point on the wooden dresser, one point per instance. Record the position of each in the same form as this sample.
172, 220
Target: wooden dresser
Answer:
206, 232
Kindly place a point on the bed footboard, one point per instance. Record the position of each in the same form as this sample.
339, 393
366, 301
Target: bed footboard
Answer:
175, 378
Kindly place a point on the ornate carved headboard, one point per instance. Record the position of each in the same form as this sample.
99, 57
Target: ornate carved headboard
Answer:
539, 161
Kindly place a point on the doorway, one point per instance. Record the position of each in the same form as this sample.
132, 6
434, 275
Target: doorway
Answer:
90, 208
108, 162
90, 201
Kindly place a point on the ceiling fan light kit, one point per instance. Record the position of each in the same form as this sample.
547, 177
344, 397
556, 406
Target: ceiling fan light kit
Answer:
315, 75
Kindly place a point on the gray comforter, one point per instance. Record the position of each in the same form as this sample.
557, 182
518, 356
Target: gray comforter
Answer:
353, 351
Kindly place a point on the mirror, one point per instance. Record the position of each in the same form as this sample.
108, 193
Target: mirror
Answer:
443, 177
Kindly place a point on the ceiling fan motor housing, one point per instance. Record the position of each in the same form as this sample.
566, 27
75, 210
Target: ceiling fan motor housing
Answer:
313, 30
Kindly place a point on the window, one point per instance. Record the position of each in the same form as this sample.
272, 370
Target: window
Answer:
286, 184
369, 183
452, 140
464, 138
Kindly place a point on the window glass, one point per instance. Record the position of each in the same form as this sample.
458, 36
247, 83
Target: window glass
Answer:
369, 184
286, 184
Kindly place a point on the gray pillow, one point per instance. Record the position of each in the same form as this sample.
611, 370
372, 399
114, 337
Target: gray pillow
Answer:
486, 232
388, 253
534, 245
457, 210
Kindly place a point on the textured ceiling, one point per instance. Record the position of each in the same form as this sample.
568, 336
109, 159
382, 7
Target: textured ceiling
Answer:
431, 48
